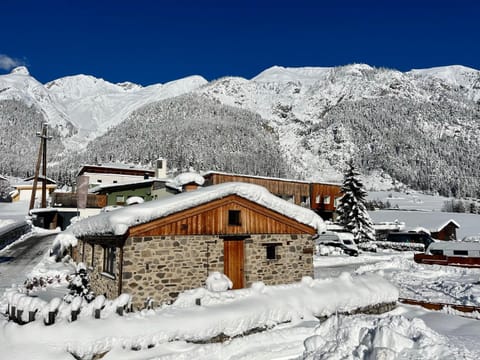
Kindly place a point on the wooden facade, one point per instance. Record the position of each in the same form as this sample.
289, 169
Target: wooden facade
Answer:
448, 232
297, 192
213, 219
320, 197
64, 199
323, 197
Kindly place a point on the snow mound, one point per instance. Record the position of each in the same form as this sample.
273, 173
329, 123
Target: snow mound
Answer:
369, 338
186, 178
134, 200
217, 282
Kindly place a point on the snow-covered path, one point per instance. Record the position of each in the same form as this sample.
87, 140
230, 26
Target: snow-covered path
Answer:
19, 259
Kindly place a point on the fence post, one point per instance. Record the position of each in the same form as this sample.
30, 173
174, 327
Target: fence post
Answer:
51, 318
97, 313
31, 316
19, 317
74, 314
13, 313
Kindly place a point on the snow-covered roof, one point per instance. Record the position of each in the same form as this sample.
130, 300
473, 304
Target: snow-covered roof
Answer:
40, 178
433, 221
388, 225
269, 178
119, 221
186, 178
114, 168
99, 188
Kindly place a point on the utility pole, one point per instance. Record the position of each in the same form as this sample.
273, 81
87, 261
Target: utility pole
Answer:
42, 157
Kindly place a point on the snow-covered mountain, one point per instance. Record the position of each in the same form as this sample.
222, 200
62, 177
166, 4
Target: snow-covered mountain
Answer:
396, 123
85, 105
94, 105
299, 100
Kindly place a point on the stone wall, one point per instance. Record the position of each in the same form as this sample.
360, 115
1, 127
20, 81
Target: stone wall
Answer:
161, 267
294, 259
101, 283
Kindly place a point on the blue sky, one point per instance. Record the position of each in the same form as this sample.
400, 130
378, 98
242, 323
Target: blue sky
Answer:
157, 41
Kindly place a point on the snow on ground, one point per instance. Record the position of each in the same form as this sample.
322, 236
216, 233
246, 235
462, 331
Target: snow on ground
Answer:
436, 283
407, 332
5, 222
411, 200
14, 211
229, 312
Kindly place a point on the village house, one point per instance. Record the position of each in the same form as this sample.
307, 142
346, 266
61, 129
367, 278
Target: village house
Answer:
157, 249
118, 194
24, 188
122, 173
439, 225
320, 197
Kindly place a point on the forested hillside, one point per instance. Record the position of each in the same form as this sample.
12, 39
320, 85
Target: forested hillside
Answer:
191, 131
18, 144
430, 146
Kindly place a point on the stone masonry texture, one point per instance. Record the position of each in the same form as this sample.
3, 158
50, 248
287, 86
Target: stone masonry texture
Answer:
160, 267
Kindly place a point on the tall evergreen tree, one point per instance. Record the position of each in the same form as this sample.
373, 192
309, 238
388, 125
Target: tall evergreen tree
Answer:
352, 212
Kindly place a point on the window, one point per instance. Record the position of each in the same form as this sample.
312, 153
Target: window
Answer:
109, 260
115, 181
460, 252
305, 200
99, 180
119, 199
271, 252
326, 199
436, 252
317, 199
234, 217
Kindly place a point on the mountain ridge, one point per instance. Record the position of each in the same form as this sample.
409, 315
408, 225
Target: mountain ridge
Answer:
308, 108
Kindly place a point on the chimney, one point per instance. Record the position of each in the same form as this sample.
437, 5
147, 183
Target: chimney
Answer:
161, 168
190, 187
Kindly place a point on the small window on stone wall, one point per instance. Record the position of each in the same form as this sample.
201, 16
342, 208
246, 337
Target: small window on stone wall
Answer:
234, 217
271, 252
109, 260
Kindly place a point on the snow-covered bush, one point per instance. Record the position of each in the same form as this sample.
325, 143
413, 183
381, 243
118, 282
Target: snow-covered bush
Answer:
79, 285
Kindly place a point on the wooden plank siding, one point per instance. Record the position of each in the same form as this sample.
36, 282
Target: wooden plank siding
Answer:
212, 219
300, 190
275, 186
70, 200
319, 192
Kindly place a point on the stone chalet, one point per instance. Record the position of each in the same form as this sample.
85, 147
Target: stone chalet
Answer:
163, 247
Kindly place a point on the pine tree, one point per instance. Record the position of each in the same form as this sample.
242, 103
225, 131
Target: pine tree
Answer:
352, 212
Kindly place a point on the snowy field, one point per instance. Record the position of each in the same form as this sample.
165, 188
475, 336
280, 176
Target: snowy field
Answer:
406, 332
286, 313
411, 200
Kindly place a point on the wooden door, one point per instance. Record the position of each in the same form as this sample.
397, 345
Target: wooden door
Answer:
233, 260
